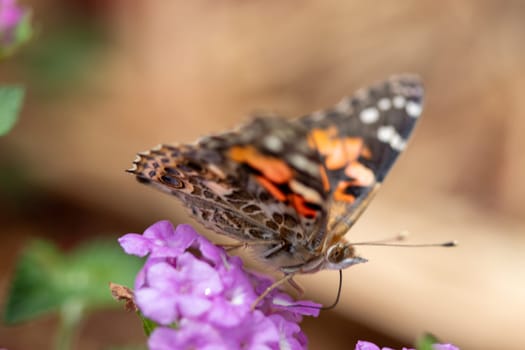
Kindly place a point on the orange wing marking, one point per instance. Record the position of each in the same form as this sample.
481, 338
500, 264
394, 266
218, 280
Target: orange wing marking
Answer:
272, 168
275, 172
339, 151
272, 188
361, 177
299, 203
340, 194
324, 179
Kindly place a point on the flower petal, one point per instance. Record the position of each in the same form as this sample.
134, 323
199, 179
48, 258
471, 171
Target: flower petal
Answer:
365, 345
190, 335
444, 347
300, 307
155, 306
135, 244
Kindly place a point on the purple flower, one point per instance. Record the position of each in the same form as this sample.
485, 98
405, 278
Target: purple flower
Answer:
191, 335
365, 345
10, 14
159, 240
444, 347
201, 298
11, 19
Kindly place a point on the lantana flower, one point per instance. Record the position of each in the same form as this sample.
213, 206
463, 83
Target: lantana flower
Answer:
14, 25
10, 14
365, 345
200, 297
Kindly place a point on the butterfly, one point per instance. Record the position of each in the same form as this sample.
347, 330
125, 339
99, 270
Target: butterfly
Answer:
292, 188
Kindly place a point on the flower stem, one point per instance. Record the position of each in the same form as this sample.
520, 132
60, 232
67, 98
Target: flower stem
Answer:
70, 317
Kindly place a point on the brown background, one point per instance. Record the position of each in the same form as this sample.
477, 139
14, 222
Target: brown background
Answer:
174, 71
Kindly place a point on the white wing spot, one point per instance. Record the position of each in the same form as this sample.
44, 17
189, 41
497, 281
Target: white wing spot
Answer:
399, 101
308, 193
369, 115
273, 143
303, 163
397, 142
384, 104
386, 133
413, 109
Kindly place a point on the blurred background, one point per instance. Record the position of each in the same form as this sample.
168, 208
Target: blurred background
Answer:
106, 79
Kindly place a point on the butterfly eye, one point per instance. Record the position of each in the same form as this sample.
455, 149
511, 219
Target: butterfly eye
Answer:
336, 254
339, 253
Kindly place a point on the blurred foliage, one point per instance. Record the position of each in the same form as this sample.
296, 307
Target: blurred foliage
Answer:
15, 189
21, 34
129, 347
426, 342
63, 56
24, 31
10, 103
46, 280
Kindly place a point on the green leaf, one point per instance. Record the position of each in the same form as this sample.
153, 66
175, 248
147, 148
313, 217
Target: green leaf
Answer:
426, 342
64, 57
46, 280
148, 325
24, 30
10, 102
128, 347
20, 35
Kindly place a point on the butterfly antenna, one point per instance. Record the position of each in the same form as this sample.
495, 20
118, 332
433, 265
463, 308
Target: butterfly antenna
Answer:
390, 242
443, 244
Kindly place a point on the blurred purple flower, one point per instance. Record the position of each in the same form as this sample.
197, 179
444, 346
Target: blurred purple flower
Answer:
201, 298
444, 347
11, 16
365, 345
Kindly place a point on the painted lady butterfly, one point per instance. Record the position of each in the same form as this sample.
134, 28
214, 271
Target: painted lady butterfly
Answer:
291, 189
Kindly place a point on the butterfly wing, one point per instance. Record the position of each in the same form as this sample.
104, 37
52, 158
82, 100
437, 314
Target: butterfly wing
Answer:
259, 183
297, 186
359, 140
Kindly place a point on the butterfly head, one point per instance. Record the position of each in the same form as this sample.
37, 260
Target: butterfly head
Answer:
340, 256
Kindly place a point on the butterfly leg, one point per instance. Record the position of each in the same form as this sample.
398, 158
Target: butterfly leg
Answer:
276, 284
267, 253
296, 286
233, 246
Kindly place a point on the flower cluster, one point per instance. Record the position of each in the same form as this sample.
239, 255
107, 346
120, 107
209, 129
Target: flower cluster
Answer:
14, 25
201, 298
365, 345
